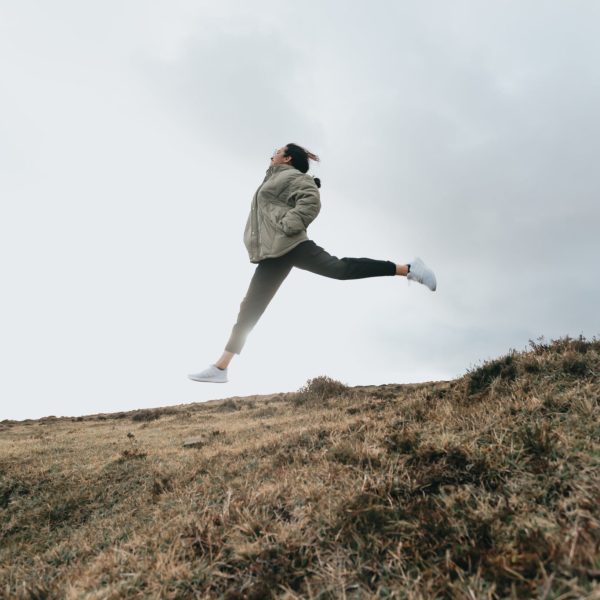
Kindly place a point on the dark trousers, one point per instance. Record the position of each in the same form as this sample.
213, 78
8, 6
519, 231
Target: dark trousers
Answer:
271, 272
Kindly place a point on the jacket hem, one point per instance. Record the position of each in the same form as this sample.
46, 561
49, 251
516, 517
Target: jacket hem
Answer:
280, 253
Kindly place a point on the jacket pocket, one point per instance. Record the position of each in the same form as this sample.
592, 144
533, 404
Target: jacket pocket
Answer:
276, 214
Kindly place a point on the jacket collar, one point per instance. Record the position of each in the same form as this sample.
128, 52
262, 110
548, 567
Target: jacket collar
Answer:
277, 169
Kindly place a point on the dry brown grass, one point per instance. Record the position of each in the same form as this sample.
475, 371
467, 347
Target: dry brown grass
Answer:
483, 487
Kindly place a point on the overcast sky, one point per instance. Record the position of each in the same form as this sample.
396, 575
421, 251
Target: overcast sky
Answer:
134, 134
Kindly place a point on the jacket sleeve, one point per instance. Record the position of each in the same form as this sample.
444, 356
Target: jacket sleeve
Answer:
308, 205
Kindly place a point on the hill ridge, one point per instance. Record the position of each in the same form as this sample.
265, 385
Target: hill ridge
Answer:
485, 486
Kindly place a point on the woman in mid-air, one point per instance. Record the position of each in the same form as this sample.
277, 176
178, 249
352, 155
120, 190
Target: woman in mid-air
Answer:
284, 205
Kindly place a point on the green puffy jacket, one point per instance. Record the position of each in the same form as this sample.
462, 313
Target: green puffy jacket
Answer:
283, 206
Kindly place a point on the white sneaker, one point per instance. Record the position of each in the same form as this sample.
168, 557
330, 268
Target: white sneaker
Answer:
421, 273
212, 375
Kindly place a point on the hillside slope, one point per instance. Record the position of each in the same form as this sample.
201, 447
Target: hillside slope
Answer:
483, 487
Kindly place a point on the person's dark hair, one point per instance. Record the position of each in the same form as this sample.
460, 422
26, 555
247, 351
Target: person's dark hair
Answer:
300, 157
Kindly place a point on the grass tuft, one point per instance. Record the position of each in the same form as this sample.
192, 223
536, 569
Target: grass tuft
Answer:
318, 390
481, 378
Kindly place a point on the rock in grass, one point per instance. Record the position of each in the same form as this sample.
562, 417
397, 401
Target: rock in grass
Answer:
195, 442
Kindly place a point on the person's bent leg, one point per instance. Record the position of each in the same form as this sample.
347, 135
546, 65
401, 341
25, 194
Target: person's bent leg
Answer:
267, 278
310, 257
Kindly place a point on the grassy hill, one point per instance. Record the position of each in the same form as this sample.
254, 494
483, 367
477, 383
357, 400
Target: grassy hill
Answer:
487, 486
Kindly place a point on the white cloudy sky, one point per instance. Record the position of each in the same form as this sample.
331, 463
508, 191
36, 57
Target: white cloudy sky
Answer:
133, 135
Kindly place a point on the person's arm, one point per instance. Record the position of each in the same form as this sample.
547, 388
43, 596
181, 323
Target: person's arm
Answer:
308, 205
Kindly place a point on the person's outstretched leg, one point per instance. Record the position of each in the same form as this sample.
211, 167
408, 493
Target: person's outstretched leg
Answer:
310, 257
267, 278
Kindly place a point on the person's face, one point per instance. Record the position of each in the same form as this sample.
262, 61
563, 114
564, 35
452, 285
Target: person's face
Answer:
278, 157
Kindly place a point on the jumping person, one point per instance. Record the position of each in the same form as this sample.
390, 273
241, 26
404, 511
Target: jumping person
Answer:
284, 205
